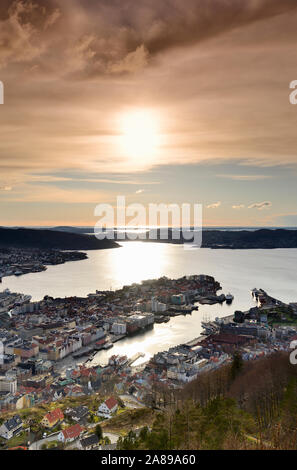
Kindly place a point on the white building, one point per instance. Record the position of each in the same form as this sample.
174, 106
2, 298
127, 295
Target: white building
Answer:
157, 306
11, 427
108, 407
119, 328
8, 385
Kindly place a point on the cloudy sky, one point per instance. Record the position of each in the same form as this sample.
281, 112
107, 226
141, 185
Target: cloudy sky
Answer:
159, 101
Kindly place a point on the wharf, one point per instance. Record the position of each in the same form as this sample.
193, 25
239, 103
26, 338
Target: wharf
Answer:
195, 341
115, 338
83, 352
134, 358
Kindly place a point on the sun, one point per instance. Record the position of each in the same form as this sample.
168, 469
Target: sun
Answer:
140, 134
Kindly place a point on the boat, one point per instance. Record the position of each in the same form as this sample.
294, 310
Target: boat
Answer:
229, 297
208, 328
108, 346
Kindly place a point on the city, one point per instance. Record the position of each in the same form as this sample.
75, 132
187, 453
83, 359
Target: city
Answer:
36, 337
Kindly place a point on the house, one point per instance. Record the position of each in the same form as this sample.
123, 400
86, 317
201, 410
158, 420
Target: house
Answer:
11, 427
52, 418
107, 408
71, 433
78, 414
89, 443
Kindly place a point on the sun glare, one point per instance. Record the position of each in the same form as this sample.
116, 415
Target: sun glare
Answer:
140, 135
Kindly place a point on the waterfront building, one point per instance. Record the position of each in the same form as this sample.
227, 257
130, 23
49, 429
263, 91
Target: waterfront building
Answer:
178, 299
119, 328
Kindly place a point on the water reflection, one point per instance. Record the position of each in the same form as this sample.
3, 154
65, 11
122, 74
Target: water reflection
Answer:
135, 263
238, 271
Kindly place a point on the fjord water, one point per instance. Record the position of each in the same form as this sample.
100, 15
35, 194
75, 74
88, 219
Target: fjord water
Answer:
238, 271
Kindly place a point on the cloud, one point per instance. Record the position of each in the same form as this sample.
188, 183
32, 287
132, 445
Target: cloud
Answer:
260, 205
214, 205
244, 177
22, 32
239, 206
88, 38
72, 69
132, 62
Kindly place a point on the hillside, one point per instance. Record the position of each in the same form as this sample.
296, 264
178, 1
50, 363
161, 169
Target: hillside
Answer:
241, 239
240, 406
49, 239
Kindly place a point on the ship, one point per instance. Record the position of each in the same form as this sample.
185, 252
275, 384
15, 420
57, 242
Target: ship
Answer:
229, 298
208, 327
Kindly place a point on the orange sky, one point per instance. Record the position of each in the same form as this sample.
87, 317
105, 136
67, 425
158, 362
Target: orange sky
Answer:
213, 77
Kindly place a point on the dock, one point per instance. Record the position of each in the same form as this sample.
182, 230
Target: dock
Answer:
115, 338
83, 352
134, 358
195, 341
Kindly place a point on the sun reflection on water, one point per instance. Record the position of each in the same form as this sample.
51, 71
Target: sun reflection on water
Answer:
136, 263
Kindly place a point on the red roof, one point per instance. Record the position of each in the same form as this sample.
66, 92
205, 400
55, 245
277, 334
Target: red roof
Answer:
72, 432
54, 415
111, 403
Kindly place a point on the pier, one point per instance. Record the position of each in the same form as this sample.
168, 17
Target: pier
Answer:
83, 352
134, 358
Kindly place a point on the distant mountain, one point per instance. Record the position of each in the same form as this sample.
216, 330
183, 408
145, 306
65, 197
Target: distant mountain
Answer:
73, 229
242, 239
50, 239
263, 238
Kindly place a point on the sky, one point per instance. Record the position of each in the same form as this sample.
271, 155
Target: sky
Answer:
160, 102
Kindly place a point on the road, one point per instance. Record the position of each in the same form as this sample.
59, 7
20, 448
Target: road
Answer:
37, 445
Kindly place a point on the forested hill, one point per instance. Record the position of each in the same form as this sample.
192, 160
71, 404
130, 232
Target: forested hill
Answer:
49, 239
263, 238
241, 239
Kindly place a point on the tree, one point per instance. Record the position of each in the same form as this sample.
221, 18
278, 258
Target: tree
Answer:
98, 432
237, 365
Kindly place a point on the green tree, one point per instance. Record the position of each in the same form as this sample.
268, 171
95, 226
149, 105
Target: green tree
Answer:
98, 432
237, 365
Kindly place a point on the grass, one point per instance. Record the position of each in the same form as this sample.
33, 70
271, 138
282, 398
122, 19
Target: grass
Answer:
129, 419
20, 440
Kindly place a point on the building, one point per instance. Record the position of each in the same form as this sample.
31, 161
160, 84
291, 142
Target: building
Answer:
107, 408
8, 385
11, 427
26, 350
71, 433
89, 443
178, 299
78, 414
119, 328
157, 306
52, 418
